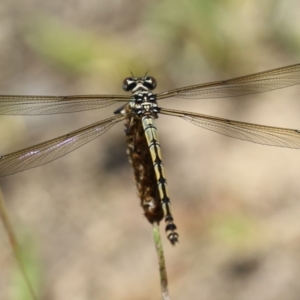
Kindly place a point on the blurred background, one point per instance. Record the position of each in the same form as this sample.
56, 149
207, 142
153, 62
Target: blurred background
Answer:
236, 204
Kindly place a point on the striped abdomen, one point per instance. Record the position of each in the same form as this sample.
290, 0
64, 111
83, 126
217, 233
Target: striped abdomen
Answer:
154, 148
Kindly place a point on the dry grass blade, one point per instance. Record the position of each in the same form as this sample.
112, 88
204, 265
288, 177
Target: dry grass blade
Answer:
161, 263
14, 244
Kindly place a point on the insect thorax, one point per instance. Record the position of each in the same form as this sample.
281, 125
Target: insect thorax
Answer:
144, 103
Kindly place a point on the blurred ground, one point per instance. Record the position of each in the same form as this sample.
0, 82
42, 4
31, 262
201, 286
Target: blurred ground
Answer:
237, 204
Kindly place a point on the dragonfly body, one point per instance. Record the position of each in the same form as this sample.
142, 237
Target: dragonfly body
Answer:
139, 111
145, 154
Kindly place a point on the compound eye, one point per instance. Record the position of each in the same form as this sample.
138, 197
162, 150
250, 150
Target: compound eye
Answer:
150, 83
128, 84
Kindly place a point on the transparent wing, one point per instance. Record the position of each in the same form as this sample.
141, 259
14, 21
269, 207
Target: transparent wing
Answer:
249, 84
44, 105
48, 151
266, 135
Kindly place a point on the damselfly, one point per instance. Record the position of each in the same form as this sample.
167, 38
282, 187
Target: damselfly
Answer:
139, 110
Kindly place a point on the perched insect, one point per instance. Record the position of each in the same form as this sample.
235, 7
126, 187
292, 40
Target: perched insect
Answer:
139, 111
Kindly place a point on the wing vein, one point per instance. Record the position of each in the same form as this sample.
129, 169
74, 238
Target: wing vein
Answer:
261, 134
48, 151
244, 85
